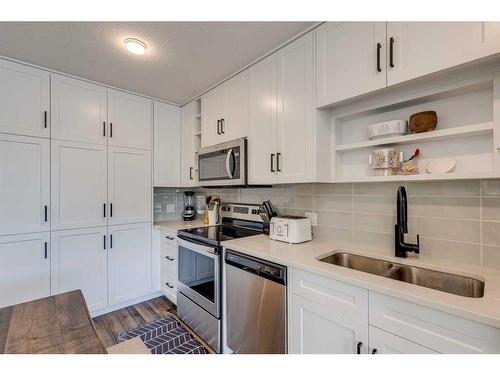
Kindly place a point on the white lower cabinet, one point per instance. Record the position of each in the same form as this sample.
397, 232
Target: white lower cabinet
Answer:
382, 342
80, 261
329, 316
318, 329
129, 262
24, 268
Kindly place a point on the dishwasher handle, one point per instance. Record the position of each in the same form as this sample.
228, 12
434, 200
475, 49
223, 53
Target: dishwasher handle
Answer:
259, 267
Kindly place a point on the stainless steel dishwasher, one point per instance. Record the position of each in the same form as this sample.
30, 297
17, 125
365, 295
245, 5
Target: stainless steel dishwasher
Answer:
255, 305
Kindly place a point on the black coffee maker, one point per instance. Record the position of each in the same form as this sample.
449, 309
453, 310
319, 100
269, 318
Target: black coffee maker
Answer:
189, 210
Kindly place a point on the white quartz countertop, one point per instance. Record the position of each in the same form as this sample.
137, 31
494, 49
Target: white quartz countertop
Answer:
175, 225
304, 256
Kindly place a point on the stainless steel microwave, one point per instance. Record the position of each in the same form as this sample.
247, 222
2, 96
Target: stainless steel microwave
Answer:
223, 164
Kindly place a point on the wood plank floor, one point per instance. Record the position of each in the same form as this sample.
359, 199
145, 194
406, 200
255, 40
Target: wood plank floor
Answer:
109, 326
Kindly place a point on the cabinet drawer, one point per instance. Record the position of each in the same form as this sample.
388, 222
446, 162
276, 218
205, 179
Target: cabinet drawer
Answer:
169, 257
382, 342
439, 331
346, 299
169, 284
168, 237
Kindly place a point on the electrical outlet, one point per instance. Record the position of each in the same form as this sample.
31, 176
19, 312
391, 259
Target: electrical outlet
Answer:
314, 218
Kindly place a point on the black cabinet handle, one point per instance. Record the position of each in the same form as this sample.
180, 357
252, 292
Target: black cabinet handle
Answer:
374, 351
46, 213
222, 126
104, 128
169, 285
111, 210
379, 47
104, 209
45, 250
104, 242
110, 241
272, 163
218, 127
110, 130
45, 119
169, 238
358, 347
169, 258
190, 173
278, 162
391, 52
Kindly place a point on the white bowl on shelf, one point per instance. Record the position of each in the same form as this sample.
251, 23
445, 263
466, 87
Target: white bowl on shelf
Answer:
387, 129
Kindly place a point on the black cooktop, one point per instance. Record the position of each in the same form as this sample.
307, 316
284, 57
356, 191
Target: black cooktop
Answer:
223, 232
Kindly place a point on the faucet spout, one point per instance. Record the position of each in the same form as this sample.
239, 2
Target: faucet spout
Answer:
401, 247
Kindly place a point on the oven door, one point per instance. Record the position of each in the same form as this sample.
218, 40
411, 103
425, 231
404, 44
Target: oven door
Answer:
199, 275
223, 164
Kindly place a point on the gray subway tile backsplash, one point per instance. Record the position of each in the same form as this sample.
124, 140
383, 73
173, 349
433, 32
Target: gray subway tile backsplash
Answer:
456, 220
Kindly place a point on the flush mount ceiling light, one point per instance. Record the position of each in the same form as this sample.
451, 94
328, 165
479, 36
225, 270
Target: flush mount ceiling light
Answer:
135, 46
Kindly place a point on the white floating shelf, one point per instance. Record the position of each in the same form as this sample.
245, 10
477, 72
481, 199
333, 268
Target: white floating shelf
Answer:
459, 131
420, 177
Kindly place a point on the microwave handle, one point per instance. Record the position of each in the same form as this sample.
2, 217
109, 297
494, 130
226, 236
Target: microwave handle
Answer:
228, 163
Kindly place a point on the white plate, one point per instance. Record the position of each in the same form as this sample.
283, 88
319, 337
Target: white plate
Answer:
440, 166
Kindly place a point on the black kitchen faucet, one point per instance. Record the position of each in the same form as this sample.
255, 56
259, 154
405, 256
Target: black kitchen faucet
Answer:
402, 248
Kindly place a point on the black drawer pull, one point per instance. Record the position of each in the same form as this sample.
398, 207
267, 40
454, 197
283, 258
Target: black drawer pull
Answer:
45, 119
358, 347
169, 238
104, 242
104, 128
278, 162
190, 173
111, 130
169, 285
110, 241
46, 213
218, 127
222, 126
391, 52
374, 351
169, 258
104, 209
379, 68
45, 250
272, 163
111, 209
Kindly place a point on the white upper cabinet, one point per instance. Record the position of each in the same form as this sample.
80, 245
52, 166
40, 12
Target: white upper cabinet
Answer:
235, 120
129, 185
167, 144
24, 268
262, 144
189, 125
24, 184
130, 120
79, 110
350, 58
79, 261
420, 48
79, 185
24, 100
296, 111
129, 262
225, 111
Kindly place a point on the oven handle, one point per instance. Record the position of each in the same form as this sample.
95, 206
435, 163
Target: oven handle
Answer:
228, 163
200, 249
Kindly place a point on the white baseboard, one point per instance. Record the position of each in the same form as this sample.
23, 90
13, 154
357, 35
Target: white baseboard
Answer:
119, 306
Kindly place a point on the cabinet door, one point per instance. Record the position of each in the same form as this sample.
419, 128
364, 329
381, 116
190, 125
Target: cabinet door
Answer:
382, 342
79, 110
188, 144
235, 119
129, 271
129, 185
167, 144
262, 144
24, 268
130, 120
347, 62
24, 184
422, 48
79, 261
317, 329
24, 100
296, 111
79, 185
212, 111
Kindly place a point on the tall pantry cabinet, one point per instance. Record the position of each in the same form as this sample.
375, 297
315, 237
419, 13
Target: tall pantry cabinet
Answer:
76, 206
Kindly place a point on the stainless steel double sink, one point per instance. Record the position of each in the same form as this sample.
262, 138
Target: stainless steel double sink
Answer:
445, 282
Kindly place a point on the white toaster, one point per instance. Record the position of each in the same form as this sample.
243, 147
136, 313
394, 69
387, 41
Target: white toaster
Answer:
291, 229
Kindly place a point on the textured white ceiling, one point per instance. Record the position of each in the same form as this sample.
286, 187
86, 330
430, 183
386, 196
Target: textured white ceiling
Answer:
183, 58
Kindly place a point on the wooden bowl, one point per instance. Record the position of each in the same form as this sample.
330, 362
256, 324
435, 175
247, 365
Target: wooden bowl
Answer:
423, 122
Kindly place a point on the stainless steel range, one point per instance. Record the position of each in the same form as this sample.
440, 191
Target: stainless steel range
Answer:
200, 268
